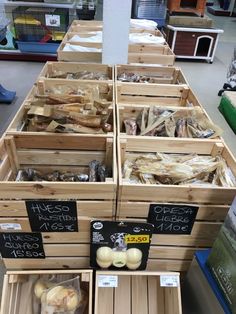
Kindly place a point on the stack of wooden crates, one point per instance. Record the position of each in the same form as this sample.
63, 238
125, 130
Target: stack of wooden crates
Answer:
116, 198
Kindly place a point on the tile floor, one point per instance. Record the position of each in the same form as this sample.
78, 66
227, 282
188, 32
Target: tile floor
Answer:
205, 79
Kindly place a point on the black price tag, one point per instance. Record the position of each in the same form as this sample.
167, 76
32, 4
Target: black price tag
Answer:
21, 245
52, 216
172, 218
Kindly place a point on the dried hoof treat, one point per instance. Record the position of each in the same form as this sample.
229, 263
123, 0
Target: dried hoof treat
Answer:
119, 259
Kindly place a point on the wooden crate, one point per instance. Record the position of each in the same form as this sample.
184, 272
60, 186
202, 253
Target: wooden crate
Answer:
157, 54
63, 250
159, 74
18, 124
138, 53
74, 67
174, 193
51, 153
46, 86
94, 200
137, 293
132, 111
15, 287
155, 94
172, 251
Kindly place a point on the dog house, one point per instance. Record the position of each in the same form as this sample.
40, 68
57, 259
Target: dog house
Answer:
187, 6
193, 43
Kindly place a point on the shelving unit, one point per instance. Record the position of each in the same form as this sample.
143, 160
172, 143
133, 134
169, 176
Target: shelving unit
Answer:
10, 5
38, 4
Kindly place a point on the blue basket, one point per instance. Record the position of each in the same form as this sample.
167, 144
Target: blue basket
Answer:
38, 47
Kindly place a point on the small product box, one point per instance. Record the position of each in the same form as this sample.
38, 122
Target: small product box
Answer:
120, 245
222, 259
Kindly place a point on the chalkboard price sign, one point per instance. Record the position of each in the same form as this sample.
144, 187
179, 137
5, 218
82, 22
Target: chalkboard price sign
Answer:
172, 218
21, 245
52, 216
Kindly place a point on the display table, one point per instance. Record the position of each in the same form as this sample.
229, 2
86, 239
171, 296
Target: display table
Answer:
228, 108
193, 43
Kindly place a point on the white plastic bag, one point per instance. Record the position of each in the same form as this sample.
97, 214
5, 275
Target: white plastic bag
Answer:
145, 38
69, 47
144, 24
95, 37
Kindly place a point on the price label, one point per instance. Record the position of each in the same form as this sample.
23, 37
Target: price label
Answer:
8, 226
52, 20
137, 238
169, 281
107, 281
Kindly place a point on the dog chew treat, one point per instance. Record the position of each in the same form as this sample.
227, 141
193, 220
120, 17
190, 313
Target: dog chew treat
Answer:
104, 256
64, 99
134, 255
63, 298
119, 259
103, 264
93, 170
132, 266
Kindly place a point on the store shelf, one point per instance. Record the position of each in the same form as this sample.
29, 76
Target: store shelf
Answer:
17, 55
38, 4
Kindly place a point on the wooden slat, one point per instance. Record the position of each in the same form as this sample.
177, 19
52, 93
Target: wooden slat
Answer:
152, 90
202, 235
141, 209
5, 168
168, 145
151, 58
58, 190
104, 301
94, 209
57, 141
168, 265
83, 236
172, 301
48, 263
172, 252
58, 157
122, 298
155, 297
139, 295
76, 250
171, 193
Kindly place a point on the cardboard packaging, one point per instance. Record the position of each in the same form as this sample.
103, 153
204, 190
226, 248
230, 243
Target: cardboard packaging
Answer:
222, 259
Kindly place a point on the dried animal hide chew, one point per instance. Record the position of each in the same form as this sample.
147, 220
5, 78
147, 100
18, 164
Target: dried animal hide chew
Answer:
179, 170
80, 75
156, 121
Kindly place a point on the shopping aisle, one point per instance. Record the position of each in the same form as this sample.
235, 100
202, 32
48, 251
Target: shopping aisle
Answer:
207, 79
19, 77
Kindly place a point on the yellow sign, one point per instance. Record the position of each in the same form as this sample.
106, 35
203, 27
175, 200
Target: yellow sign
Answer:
136, 238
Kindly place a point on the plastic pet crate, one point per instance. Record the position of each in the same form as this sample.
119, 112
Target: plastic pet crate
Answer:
86, 10
149, 9
40, 24
36, 47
